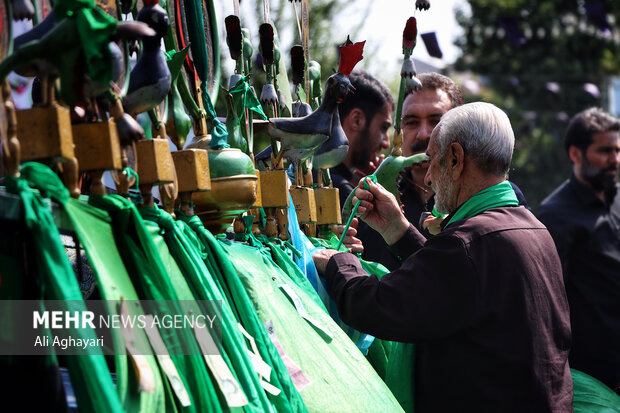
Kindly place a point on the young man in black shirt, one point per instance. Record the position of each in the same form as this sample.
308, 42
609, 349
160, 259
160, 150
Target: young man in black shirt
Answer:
366, 117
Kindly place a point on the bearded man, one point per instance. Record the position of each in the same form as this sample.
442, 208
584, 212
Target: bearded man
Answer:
366, 117
483, 299
583, 217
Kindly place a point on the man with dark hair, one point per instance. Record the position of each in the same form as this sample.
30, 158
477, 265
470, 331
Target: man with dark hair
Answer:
366, 116
583, 217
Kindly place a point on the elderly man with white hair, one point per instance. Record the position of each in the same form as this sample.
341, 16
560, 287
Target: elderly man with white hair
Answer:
484, 299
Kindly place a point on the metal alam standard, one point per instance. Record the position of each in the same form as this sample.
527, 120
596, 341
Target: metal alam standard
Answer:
194, 208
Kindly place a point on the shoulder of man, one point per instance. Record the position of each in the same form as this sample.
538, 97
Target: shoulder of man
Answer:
494, 221
555, 207
560, 196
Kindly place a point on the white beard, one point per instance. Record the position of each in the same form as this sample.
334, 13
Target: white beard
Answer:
445, 193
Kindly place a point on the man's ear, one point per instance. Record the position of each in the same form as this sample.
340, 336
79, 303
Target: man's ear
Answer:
355, 120
455, 159
576, 155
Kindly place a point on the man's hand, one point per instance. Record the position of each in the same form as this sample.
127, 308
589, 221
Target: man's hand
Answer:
321, 258
352, 243
433, 224
381, 211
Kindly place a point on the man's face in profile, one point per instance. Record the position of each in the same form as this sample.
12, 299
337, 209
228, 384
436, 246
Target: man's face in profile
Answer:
372, 139
600, 161
439, 179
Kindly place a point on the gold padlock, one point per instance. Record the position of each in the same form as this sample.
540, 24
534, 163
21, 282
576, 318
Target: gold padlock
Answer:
274, 189
45, 133
97, 147
155, 164
305, 204
192, 167
259, 193
327, 206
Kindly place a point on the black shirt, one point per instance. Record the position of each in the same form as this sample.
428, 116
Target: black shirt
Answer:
586, 232
341, 179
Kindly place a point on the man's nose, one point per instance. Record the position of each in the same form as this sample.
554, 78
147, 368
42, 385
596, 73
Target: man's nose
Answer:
425, 131
385, 141
427, 177
614, 158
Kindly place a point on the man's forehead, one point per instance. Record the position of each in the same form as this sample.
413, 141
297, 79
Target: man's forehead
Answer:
607, 138
427, 102
432, 145
384, 114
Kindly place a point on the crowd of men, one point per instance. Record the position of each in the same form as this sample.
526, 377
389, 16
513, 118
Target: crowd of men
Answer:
499, 302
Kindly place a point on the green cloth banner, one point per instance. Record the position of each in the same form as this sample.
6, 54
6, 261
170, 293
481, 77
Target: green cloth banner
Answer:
223, 272
93, 227
95, 28
152, 281
95, 390
198, 284
341, 378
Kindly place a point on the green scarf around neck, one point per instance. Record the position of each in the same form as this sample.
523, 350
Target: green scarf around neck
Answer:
494, 196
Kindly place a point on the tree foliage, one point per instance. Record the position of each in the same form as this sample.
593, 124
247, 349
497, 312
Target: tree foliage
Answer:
542, 62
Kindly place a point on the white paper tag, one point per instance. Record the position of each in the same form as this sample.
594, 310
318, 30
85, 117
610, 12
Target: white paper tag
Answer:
302, 312
263, 369
299, 379
270, 388
144, 373
166, 362
225, 379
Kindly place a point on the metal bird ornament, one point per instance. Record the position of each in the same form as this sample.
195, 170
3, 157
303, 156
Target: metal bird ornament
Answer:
335, 149
150, 79
77, 53
301, 137
332, 152
388, 175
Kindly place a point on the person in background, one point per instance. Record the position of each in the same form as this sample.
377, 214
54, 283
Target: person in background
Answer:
366, 117
484, 299
421, 112
583, 217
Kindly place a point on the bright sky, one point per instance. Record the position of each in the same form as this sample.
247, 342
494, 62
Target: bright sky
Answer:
385, 23
382, 30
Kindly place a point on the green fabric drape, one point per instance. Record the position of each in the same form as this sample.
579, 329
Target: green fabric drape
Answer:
219, 264
286, 264
494, 196
244, 97
592, 396
342, 379
93, 228
94, 391
95, 28
200, 286
153, 282
393, 361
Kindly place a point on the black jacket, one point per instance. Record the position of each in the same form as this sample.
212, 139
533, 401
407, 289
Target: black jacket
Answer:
485, 303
